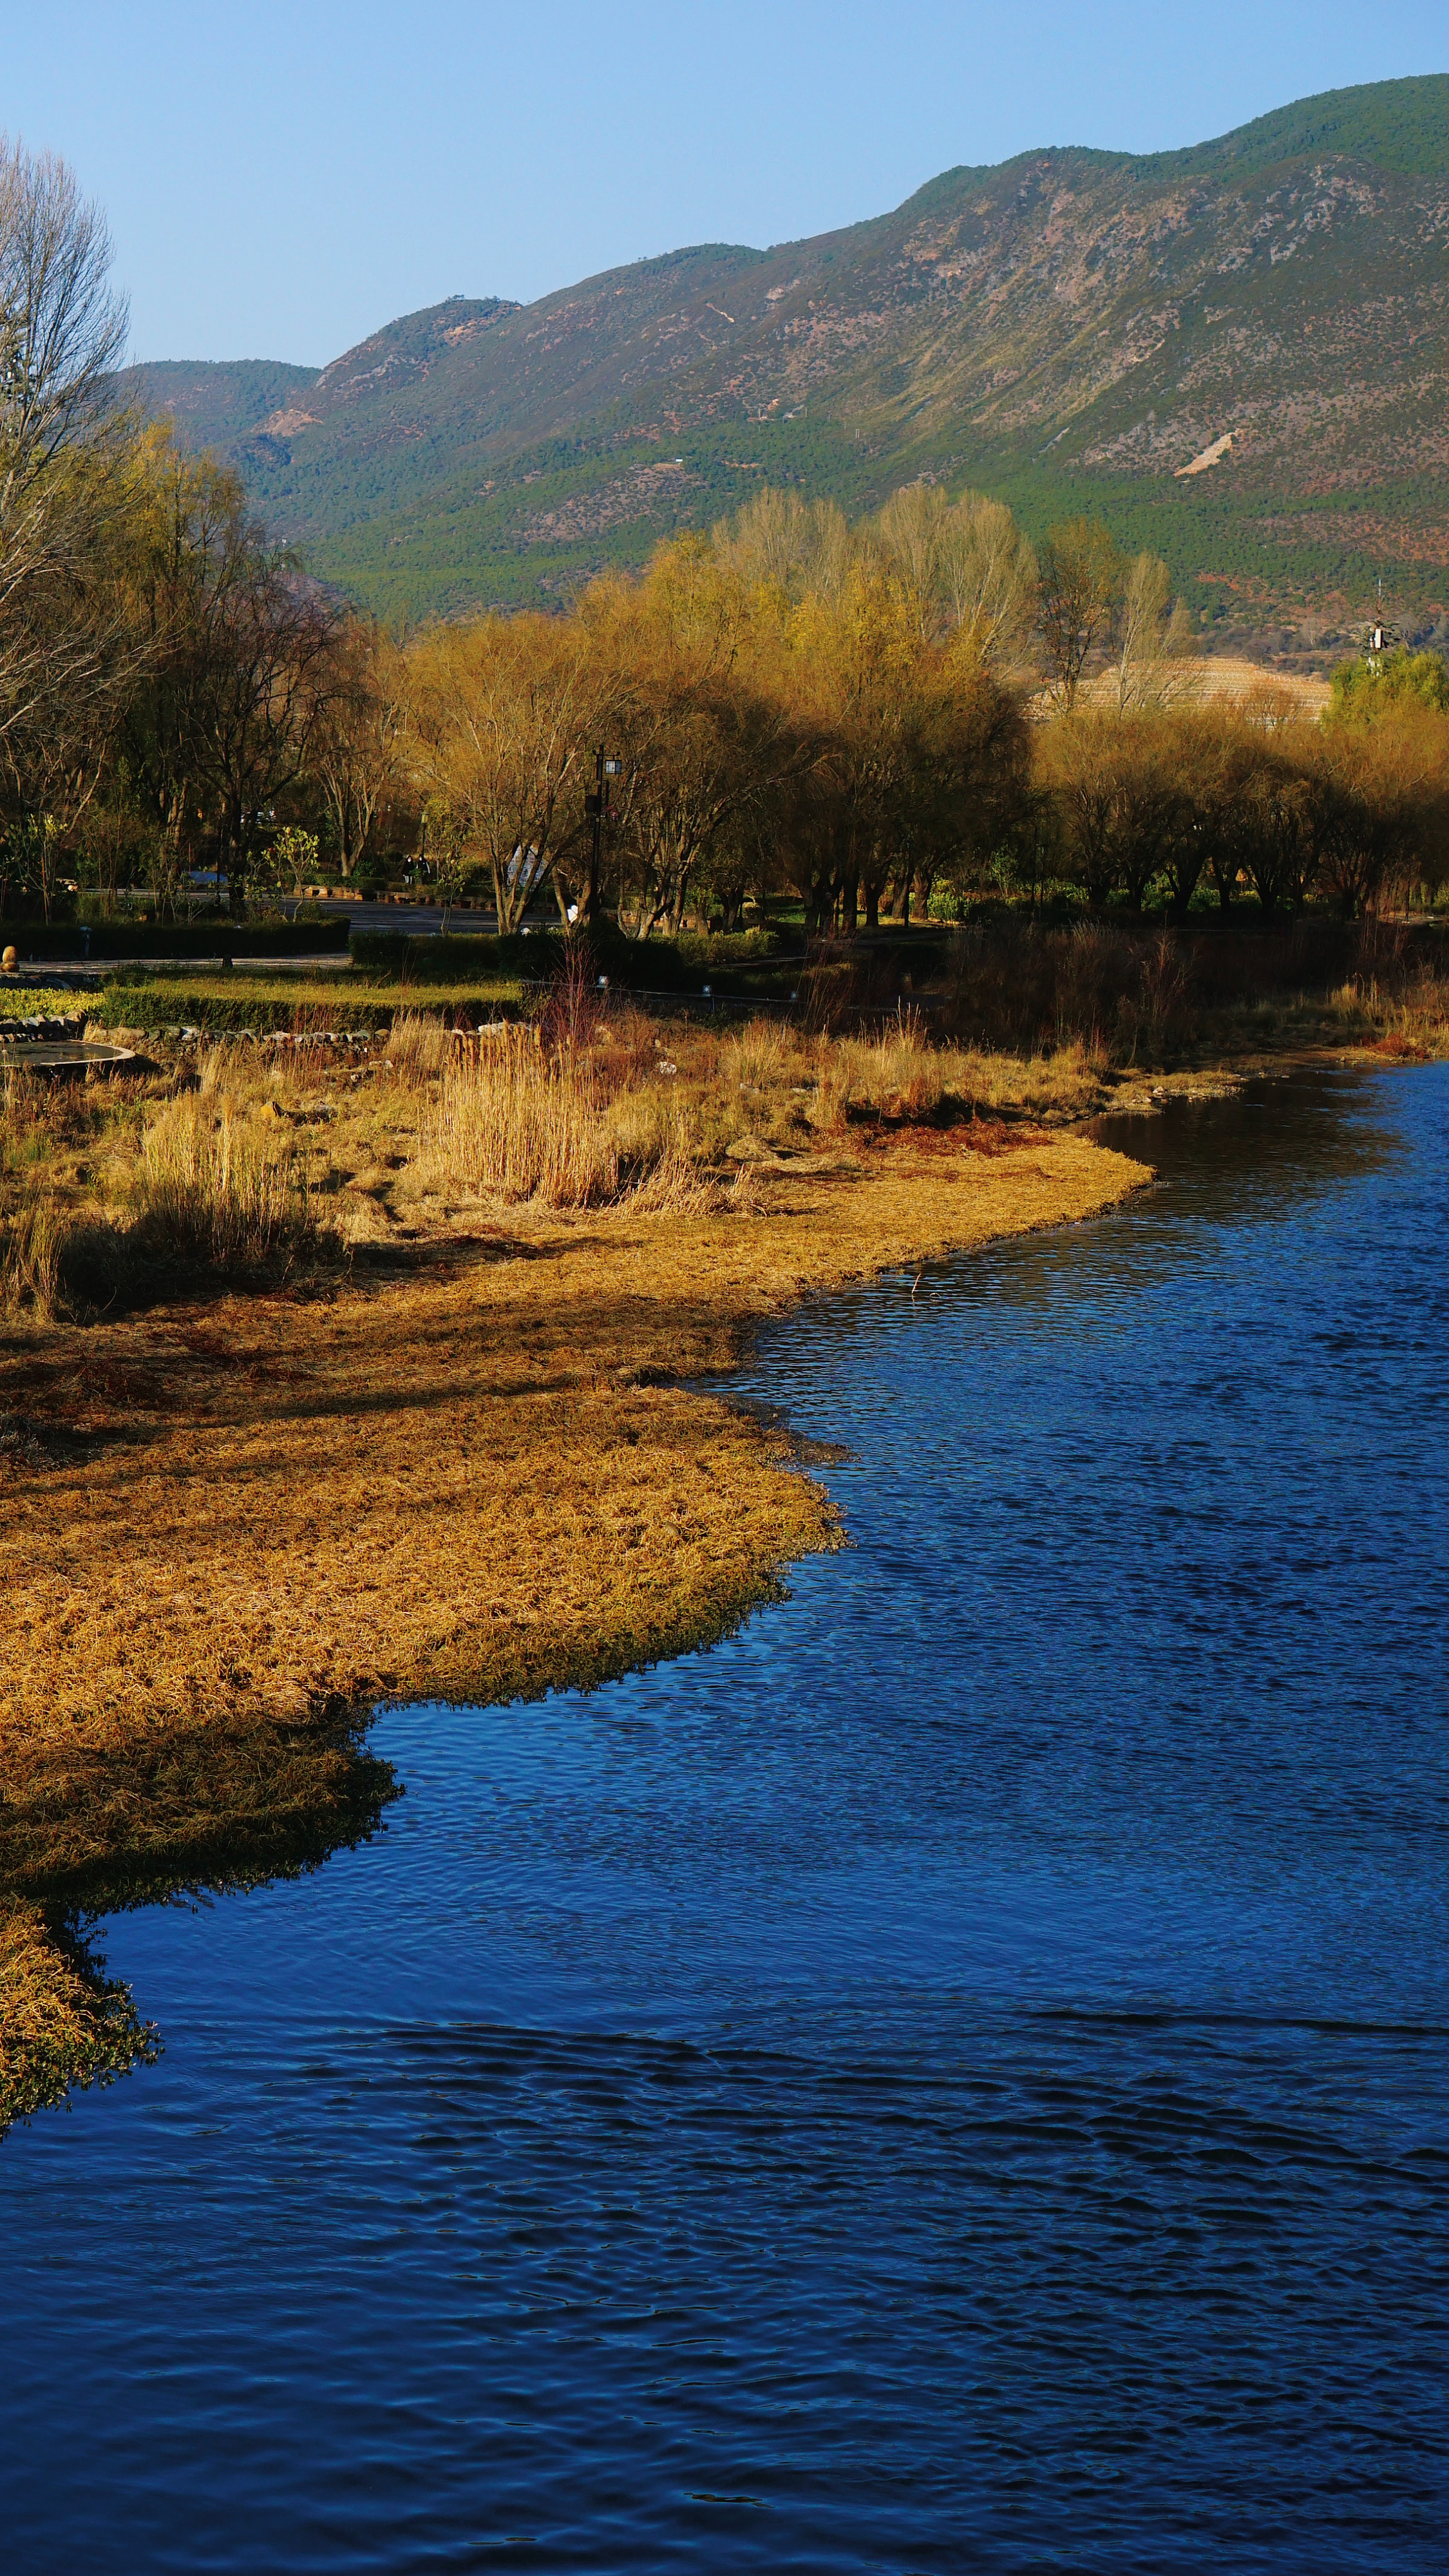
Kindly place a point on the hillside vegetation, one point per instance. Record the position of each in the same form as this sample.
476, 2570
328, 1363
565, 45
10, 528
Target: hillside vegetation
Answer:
1071, 330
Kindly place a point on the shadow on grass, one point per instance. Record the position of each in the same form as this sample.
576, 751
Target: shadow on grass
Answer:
108, 1270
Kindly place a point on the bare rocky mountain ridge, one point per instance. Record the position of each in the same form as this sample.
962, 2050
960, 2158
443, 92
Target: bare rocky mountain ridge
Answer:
1238, 353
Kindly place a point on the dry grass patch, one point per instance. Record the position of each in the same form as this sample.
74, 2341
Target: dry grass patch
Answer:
33, 1237
514, 1124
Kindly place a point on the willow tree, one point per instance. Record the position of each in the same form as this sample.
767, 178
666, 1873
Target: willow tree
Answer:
1151, 638
1379, 794
1078, 579
1118, 789
683, 661
778, 541
500, 718
966, 569
861, 682
979, 802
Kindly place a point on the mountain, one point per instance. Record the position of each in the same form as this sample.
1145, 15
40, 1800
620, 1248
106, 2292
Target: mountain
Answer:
1237, 353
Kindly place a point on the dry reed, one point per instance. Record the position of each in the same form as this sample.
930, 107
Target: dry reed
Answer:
513, 1124
899, 1070
516, 1124
32, 1227
417, 1047
209, 1188
32, 1243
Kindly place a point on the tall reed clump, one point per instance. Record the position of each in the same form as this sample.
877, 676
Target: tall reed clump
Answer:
758, 1056
416, 1048
898, 1071
514, 1122
32, 1228
208, 1189
517, 1124
32, 1248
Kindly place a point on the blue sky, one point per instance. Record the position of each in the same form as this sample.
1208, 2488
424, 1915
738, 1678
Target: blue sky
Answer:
281, 180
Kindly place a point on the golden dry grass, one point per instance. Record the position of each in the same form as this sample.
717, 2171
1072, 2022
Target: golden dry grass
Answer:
515, 1124
209, 1185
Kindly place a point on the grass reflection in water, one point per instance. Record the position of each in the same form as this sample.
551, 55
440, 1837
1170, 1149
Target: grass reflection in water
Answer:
282, 1803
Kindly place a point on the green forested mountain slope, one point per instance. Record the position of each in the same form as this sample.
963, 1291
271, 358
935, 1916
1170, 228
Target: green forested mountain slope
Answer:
216, 406
1070, 329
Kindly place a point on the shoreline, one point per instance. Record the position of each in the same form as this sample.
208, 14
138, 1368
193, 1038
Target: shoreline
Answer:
495, 1463
226, 1522
240, 1526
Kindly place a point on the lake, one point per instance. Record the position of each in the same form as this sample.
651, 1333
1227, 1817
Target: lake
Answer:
953, 2078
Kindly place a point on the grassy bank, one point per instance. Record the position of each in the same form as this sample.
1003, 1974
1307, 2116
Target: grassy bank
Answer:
324, 1385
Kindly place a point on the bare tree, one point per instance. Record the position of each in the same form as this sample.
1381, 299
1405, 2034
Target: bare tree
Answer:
230, 645
62, 329
61, 333
188, 552
1078, 576
260, 700
355, 733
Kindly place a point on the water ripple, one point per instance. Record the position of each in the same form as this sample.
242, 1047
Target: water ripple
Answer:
954, 2078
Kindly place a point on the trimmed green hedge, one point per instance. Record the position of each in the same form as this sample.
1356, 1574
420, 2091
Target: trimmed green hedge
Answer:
64, 942
741, 963
155, 1007
444, 958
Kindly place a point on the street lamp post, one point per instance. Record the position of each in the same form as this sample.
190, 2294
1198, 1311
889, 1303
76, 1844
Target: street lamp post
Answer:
606, 765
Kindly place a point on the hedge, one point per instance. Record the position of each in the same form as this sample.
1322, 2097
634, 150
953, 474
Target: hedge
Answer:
742, 962
64, 942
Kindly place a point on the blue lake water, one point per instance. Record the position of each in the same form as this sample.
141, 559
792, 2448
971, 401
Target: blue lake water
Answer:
955, 2078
